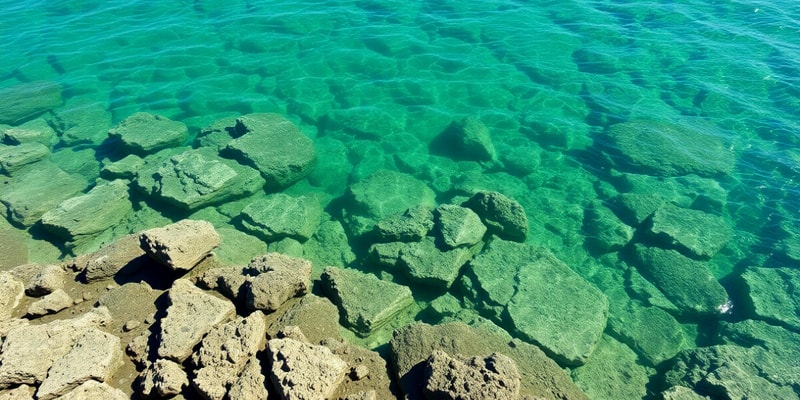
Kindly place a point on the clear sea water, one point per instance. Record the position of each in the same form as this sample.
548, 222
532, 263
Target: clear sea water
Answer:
373, 81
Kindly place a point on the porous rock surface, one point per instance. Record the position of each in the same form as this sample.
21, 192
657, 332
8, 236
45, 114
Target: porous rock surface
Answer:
304, 371
457, 377
180, 246
143, 133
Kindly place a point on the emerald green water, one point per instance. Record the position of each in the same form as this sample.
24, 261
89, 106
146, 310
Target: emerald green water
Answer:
374, 83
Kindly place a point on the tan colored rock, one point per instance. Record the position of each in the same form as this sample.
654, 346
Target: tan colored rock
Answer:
303, 371
182, 245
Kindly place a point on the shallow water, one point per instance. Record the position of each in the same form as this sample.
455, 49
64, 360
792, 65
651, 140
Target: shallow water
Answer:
374, 83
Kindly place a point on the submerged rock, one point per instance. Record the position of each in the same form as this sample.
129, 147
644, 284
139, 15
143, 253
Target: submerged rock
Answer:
278, 278
502, 215
605, 232
28, 100
458, 226
27, 199
650, 331
35, 131
468, 139
774, 294
280, 216
612, 373
13, 158
423, 262
698, 234
144, 133
410, 226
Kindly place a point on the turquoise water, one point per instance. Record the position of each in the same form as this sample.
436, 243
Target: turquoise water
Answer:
374, 83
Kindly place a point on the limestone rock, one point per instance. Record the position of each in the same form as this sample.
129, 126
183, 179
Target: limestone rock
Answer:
329, 246
197, 178
365, 302
279, 216
182, 245
425, 263
123, 256
91, 390
273, 145
80, 218
458, 226
35, 131
317, 315
410, 226
774, 350
605, 231
28, 100
695, 233
27, 199
163, 378
82, 122
687, 283
682, 393
47, 280
612, 373
278, 279
774, 294
458, 377
304, 371
11, 292
22, 392
144, 133
650, 331
94, 356
386, 255
498, 261
502, 215
126, 168
635, 208
251, 384
50, 304
467, 139
12, 158
191, 314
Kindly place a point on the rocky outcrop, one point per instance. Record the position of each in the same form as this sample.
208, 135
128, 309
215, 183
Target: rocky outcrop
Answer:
180, 246
144, 133
28, 100
457, 377
502, 215
304, 371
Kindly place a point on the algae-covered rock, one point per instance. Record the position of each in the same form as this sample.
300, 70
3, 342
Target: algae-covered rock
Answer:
502, 215
143, 133
27, 199
468, 139
698, 234
458, 226
280, 216
605, 231
35, 131
366, 303
650, 331
12, 158
126, 168
273, 145
672, 149
80, 218
686, 282
410, 226
773, 294
612, 373
82, 122
423, 262
28, 100
329, 246
197, 178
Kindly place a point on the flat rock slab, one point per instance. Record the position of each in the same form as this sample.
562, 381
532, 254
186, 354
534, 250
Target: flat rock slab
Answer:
539, 310
12, 158
458, 226
502, 215
280, 216
366, 303
697, 234
605, 231
687, 283
651, 332
458, 377
192, 313
144, 133
304, 371
126, 168
275, 146
672, 149
612, 373
423, 262
82, 217
124, 256
27, 199
410, 226
774, 294
198, 178
34, 131
28, 100
182, 245
277, 279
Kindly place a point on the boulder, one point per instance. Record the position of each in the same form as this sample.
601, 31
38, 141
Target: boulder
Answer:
144, 133
197, 178
182, 245
191, 314
386, 255
365, 302
773, 295
468, 139
502, 215
163, 378
27, 199
605, 231
11, 292
22, 392
96, 355
123, 256
273, 145
50, 304
83, 217
671, 148
459, 377
687, 283
229, 281
492, 268
682, 393
278, 278
304, 371
695, 233
635, 208
47, 280
35, 131
612, 373
411, 345
279, 216
423, 262
329, 246
410, 226
127, 167
458, 226
82, 122
28, 100
317, 315
92, 389
12, 158
251, 383
651, 332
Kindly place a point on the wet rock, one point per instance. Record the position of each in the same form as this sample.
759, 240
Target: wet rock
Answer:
28, 100
411, 346
774, 294
605, 232
612, 373
144, 133
279, 216
695, 233
423, 262
182, 245
365, 302
381, 195
92, 389
329, 246
468, 139
304, 371
123, 256
458, 226
273, 145
650, 331
12, 158
774, 349
95, 356
191, 314
50, 304
681, 393
502, 215
27, 199
386, 255
279, 278
11, 292
47, 280
35, 131
126, 168
635, 208
163, 378
410, 226
81, 218
82, 122
198, 178
458, 377
685, 282
672, 149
